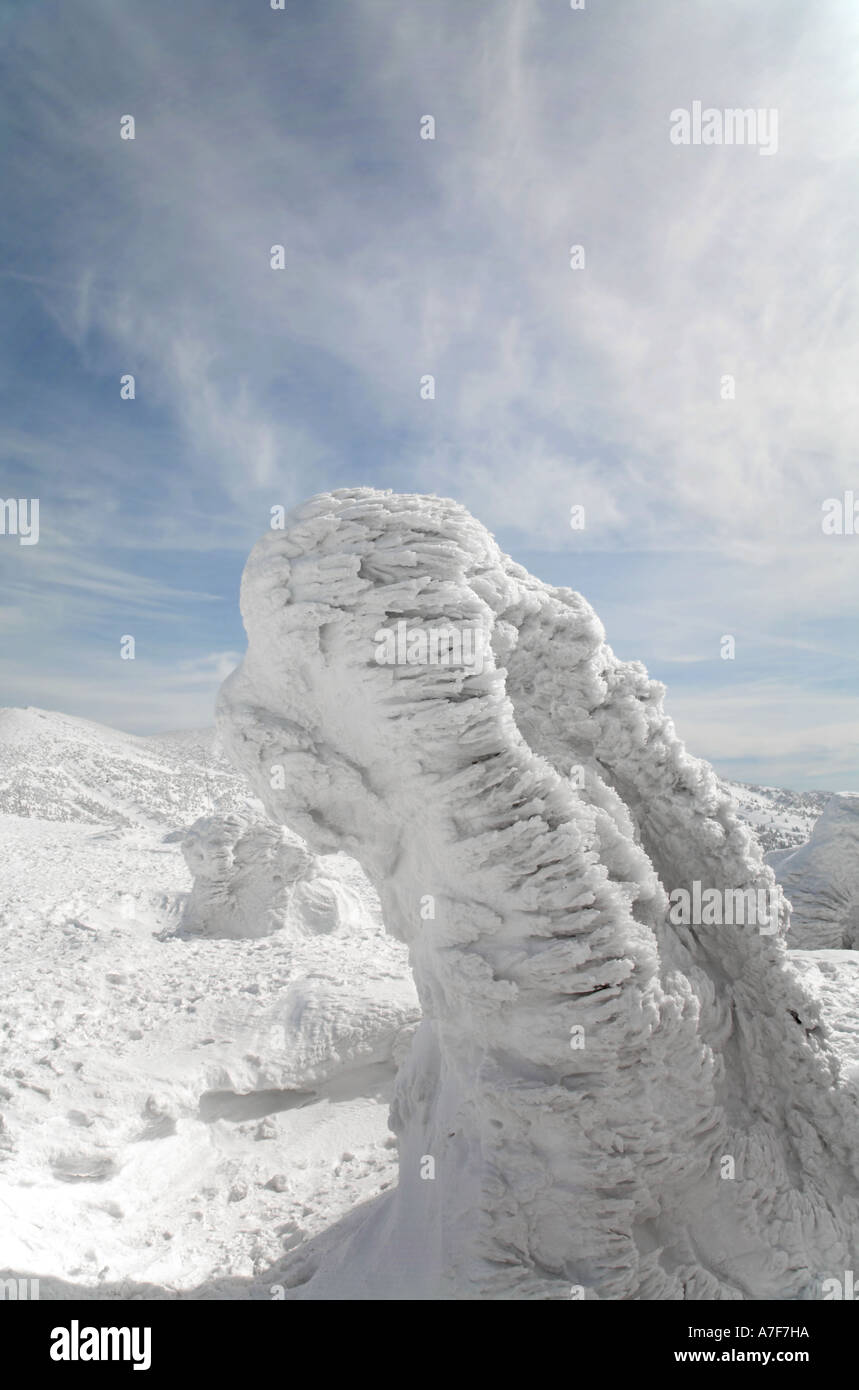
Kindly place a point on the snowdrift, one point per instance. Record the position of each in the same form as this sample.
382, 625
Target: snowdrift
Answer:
598, 1103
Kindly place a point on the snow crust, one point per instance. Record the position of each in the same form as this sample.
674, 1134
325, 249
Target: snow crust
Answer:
523, 824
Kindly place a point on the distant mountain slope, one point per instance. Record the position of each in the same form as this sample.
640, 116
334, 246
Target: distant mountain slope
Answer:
781, 819
61, 768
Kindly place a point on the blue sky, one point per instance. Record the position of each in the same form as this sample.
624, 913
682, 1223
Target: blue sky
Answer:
404, 256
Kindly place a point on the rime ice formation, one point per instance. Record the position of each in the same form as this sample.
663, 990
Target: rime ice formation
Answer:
244, 876
821, 879
252, 878
702, 1143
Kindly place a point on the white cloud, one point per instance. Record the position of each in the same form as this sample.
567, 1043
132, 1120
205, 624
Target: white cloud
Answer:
140, 696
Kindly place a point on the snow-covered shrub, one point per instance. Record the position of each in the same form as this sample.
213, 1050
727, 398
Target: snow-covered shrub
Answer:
252, 878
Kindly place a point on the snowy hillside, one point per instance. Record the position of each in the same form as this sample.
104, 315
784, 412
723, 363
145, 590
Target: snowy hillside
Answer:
781, 819
59, 768
175, 1112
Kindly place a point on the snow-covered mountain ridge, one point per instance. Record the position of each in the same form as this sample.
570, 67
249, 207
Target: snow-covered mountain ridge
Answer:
61, 767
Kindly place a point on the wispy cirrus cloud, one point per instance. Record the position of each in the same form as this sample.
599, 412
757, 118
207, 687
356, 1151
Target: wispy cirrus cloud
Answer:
404, 257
